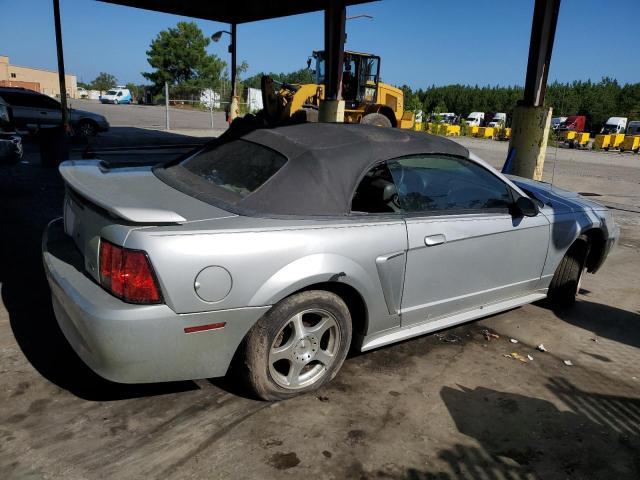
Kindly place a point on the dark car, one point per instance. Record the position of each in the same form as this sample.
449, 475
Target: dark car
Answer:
10, 141
33, 110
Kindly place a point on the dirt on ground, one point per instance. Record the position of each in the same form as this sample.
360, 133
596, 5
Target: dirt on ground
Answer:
464, 403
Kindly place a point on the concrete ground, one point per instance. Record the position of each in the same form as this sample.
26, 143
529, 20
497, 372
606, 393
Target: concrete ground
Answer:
442, 406
153, 116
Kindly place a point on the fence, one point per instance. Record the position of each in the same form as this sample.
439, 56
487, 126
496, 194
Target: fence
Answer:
186, 107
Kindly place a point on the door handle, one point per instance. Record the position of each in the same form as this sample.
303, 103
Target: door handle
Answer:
432, 240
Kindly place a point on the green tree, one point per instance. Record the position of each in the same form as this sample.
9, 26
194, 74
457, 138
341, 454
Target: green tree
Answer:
104, 81
302, 76
179, 57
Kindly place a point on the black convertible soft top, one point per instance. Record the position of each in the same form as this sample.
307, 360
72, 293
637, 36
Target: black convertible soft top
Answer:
325, 164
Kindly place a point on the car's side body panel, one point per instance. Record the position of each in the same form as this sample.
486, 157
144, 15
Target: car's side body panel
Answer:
500, 256
269, 262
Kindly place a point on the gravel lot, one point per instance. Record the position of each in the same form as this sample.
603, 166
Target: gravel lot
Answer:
445, 406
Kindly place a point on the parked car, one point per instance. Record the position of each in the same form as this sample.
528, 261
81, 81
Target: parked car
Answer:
116, 96
285, 247
556, 122
33, 110
10, 142
633, 128
475, 119
614, 125
498, 120
575, 123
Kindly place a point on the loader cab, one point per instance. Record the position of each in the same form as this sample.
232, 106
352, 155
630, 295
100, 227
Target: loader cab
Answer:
360, 77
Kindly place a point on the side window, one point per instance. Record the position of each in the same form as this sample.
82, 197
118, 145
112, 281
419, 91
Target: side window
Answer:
441, 184
435, 184
42, 101
376, 193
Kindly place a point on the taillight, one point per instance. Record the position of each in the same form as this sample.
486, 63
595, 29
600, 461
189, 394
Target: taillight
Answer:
127, 274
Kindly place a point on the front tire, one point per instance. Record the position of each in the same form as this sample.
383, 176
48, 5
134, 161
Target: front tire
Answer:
298, 345
87, 129
376, 119
566, 280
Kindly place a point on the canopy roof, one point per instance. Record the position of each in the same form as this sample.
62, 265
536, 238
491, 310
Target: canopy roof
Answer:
326, 162
238, 11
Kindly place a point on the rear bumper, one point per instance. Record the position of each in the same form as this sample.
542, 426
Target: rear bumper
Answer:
135, 343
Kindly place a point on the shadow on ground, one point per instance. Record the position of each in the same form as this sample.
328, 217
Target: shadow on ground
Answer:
32, 196
521, 437
603, 320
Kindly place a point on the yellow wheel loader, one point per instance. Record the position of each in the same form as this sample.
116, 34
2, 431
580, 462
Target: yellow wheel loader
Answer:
367, 99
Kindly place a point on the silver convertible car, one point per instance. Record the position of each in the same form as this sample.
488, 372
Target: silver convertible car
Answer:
282, 248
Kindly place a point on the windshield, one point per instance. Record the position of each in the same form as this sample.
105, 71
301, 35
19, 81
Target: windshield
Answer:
610, 128
111, 92
239, 166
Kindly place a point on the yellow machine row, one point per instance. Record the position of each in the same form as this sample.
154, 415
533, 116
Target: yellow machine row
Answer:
366, 98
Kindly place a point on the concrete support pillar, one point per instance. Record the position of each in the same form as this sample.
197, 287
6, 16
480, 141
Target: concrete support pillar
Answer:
331, 111
529, 139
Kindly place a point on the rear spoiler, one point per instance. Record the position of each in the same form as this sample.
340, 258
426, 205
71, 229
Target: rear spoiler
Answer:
88, 180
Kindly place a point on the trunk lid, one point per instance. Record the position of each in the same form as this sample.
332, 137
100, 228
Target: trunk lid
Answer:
112, 202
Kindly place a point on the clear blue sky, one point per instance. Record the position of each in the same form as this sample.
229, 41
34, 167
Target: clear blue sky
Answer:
422, 42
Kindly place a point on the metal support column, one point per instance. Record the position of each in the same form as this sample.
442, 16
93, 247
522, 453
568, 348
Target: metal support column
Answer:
61, 76
543, 32
234, 106
531, 119
332, 108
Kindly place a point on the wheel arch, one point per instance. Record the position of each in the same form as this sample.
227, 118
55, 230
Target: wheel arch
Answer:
383, 110
596, 239
330, 272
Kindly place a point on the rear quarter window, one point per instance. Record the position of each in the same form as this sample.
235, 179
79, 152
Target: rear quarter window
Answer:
239, 166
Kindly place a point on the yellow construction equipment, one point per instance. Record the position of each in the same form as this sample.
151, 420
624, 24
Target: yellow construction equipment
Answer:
616, 140
367, 99
602, 141
631, 142
582, 138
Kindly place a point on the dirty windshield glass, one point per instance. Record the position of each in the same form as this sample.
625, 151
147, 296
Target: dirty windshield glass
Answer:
239, 166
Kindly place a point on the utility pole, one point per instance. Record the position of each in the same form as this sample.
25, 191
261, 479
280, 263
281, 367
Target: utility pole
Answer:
61, 76
166, 102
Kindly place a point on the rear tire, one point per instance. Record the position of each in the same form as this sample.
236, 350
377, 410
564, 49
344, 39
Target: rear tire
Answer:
298, 345
565, 283
87, 129
377, 119
305, 115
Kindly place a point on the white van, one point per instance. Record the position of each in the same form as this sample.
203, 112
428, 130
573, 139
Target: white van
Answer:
475, 119
556, 121
614, 125
633, 128
116, 95
499, 119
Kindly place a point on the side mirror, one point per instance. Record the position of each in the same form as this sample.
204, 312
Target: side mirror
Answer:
526, 207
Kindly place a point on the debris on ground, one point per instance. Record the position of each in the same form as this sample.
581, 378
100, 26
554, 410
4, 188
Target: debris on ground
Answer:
530, 358
489, 335
448, 337
568, 363
513, 340
541, 348
518, 357
594, 339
